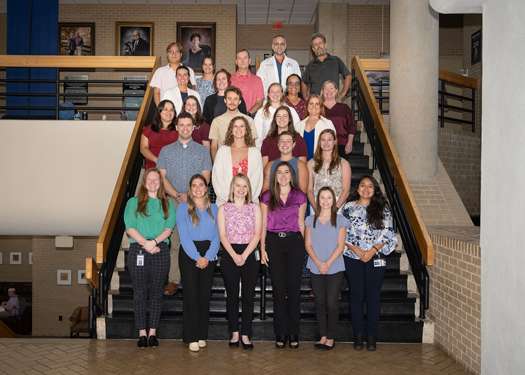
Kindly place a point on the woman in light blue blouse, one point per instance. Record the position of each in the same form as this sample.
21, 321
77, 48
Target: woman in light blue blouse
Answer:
205, 83
199, 240
325, 241
369, 239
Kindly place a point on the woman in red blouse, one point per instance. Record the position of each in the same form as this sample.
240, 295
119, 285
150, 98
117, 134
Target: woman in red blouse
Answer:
159, 134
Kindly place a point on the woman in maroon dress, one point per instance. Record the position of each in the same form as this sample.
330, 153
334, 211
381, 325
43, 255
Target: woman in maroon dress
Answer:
159, 134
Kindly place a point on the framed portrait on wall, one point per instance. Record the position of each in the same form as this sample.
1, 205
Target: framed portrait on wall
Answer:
76, 38
134, 38
197, 40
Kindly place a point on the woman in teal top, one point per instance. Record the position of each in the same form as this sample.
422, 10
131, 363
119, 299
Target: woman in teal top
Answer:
199, 240
150, 219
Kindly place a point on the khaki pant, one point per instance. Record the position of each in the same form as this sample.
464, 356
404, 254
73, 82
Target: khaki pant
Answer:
174, 275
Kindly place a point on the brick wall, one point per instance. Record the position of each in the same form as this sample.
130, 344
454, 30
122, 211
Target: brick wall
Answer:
450, 41
3, 33
15, 272
460, 153
471, 24
455, 294
165, 18
51, 300
261, 36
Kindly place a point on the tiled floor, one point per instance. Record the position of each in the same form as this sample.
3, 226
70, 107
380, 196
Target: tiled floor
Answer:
84, 356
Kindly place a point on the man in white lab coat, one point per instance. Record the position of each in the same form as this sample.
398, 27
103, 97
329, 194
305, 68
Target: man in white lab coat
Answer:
278, 67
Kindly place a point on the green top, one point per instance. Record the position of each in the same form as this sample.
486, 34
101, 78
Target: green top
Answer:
149, 227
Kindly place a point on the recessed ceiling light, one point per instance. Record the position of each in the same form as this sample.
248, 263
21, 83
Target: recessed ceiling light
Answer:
280, 9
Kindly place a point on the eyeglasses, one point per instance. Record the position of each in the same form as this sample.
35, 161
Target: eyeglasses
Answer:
279, 44
171, 52
294, 84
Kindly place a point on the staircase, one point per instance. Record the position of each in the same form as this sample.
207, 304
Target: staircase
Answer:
399, 309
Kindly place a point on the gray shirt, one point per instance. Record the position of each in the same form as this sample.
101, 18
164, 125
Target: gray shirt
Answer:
321, 71
182, 162
324, 242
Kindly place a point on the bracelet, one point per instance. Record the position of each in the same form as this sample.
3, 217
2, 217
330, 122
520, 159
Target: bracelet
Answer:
155, 241
375, 248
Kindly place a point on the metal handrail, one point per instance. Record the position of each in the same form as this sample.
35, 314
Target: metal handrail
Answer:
400, 218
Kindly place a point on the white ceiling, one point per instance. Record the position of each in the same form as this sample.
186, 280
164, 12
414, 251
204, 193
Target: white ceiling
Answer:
252, 12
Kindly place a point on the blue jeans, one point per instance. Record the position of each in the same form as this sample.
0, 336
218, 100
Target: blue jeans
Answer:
364, 281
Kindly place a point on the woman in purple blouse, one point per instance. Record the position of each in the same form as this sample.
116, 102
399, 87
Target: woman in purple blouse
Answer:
240, 227
283, 209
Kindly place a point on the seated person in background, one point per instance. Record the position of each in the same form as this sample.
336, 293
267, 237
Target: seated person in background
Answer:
11, 306
219, 126
286, 144
184, 89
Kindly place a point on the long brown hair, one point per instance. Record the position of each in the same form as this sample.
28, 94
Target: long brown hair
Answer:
318, 156
274, 129
248, 138
199, 118
248, 196
192, 213
375, 211
156, 125
321, 104
275, 188
266, 109
144, 197
333, 210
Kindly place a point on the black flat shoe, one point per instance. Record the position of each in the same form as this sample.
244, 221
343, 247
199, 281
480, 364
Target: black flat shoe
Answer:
294, 338
234, 344
358, 342
247, 346
319, 346
143, 342
371, 343
153, 342
280, 342
328, 347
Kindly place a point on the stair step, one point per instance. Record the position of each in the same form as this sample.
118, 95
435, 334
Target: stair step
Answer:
391, 329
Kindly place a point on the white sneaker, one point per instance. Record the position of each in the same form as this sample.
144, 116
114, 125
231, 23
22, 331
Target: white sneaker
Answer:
194, 346
202, 344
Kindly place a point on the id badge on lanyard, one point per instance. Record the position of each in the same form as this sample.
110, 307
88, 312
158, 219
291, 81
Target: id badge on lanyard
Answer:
140, 259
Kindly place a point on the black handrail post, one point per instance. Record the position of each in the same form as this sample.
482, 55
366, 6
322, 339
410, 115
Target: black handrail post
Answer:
56, 93
442, 100
473, 110
92, 312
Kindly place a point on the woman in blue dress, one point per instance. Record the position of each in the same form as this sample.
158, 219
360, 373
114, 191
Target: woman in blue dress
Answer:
369, 239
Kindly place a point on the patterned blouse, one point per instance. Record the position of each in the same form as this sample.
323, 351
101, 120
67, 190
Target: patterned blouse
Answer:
360, 234
240, 224
300, 108
204, 88
324, 178
241, 167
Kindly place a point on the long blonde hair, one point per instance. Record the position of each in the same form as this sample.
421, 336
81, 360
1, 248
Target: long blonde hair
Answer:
266, 109
192, 213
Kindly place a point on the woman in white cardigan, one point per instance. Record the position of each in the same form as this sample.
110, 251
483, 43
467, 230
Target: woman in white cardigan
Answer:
184, 87
311, 127
237, 155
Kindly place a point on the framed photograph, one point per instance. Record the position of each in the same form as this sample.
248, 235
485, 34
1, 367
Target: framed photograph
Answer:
31, 258
134, 38
82, 277
63, 277
15, 258
76, 38
197, 40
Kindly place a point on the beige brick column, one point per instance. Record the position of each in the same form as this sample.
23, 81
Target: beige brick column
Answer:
414, 54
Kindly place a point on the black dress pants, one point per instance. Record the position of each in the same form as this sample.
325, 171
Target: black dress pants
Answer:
326, 295
286, 258
196, 294
248, 273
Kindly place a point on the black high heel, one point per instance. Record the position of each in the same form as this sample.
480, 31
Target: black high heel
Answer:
280, 339
294, 338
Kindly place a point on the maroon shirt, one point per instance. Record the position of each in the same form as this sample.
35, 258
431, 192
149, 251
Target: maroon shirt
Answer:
201, 133
269, 148
300, 108
158, 140
343, 118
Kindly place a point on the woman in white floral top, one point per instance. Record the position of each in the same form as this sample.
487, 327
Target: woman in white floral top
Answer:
369, 239
240, 226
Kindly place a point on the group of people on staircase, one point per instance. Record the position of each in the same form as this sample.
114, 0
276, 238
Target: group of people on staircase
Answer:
268, 182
